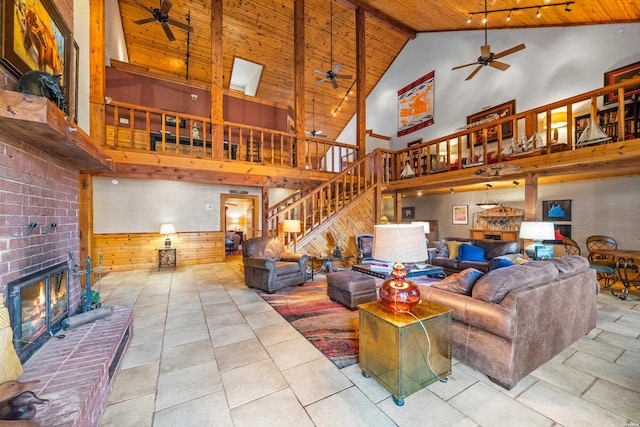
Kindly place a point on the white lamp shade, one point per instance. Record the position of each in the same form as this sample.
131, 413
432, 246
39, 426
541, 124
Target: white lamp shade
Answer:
399, 243
537, 230
167, 229
425, 224
291, 226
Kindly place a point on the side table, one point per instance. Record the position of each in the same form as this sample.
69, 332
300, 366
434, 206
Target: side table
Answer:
167, 258
402, 352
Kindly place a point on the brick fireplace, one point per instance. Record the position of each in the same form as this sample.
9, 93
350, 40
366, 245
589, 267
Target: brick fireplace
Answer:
38, 189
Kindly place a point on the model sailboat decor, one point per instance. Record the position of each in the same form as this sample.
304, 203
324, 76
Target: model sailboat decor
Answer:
592, 134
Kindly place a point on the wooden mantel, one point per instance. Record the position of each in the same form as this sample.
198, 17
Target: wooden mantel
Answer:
37, 121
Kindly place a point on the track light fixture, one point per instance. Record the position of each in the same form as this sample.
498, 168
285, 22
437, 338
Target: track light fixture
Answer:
451, 190
514, 182
538, 8
344, 98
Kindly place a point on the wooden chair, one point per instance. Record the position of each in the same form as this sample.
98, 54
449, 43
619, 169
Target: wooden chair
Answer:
604, 273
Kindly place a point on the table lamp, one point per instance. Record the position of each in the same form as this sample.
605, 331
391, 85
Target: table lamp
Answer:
536, 231
167, 229
399, 243
292, 226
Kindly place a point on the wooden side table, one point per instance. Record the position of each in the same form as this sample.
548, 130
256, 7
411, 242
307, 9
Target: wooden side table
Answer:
396, 351
167, 258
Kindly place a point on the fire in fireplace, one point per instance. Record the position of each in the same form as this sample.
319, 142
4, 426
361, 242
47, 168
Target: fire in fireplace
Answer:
37, 303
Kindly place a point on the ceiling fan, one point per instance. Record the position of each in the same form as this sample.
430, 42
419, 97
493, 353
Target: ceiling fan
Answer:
332, 74
486, 56
314, 132
161, 15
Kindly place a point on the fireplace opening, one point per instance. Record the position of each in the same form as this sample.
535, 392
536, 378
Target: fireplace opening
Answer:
37, 303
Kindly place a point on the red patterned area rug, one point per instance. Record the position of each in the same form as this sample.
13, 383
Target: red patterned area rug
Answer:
329, 326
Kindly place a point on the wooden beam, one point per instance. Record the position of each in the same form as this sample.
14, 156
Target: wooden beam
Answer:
382, 17
217, 78
97, 79
298, 81
361, 82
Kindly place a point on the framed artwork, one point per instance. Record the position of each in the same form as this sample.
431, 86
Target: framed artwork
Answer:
409, 213
35, 37
460, 214
562, 231
494, 113
618, 76
556, 210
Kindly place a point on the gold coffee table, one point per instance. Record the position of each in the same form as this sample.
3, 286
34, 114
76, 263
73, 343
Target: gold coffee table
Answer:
395, 350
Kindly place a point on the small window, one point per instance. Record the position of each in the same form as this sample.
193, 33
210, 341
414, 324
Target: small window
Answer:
245, 76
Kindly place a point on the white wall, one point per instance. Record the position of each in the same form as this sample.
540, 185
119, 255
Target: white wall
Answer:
141, 205
557, 63
607, 206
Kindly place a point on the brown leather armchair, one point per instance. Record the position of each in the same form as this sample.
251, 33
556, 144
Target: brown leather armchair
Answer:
269, 268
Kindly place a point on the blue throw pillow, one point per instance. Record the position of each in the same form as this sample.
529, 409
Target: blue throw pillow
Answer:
471, 253
499, 263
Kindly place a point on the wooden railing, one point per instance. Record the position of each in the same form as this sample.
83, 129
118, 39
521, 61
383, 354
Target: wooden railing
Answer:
325, 202
489, 143
135, 127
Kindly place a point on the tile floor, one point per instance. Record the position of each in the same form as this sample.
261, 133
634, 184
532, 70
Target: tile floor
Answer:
208, 351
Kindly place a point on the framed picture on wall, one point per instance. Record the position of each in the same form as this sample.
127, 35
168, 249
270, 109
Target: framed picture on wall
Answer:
409, 213
556, 210
619, 75
493, 113
460, 214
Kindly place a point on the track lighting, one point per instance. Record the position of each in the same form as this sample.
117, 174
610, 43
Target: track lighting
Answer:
516, 183
538, 8
451, 190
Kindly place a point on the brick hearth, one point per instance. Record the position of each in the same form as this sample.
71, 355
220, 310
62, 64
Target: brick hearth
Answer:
75, 372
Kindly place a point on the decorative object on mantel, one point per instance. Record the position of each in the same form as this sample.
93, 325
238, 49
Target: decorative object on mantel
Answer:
21, 407
11, 367
43, 84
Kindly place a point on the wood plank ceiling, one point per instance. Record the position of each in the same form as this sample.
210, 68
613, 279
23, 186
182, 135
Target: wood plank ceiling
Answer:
262, 31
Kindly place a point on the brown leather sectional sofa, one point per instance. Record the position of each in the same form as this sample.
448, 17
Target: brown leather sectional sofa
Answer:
517, 318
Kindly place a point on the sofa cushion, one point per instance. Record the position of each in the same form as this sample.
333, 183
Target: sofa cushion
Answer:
449, 263
467, 252
459, 283
497, 283
499, 263
494, 248
570, 264
443, 249
454, 247
519, 260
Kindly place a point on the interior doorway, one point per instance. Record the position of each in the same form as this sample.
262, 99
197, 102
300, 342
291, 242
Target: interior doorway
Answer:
239, 220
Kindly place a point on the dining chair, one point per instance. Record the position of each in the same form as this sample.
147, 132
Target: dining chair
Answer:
601, 242
604, 273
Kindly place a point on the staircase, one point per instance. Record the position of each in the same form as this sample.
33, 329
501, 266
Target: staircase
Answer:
318, 208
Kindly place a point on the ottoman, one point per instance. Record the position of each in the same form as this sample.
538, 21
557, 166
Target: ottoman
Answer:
350, 288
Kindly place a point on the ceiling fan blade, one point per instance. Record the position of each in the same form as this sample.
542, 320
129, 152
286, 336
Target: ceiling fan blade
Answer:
509, 51
167, 31
144, 21
334, 83
165, 7
343, 76
336, 68
465, 65
485, 51
474, 72
324, 73
499, 65
320, 81
180, 25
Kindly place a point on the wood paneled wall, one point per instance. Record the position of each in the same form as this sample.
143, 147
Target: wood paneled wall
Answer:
360, 218
135, 251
